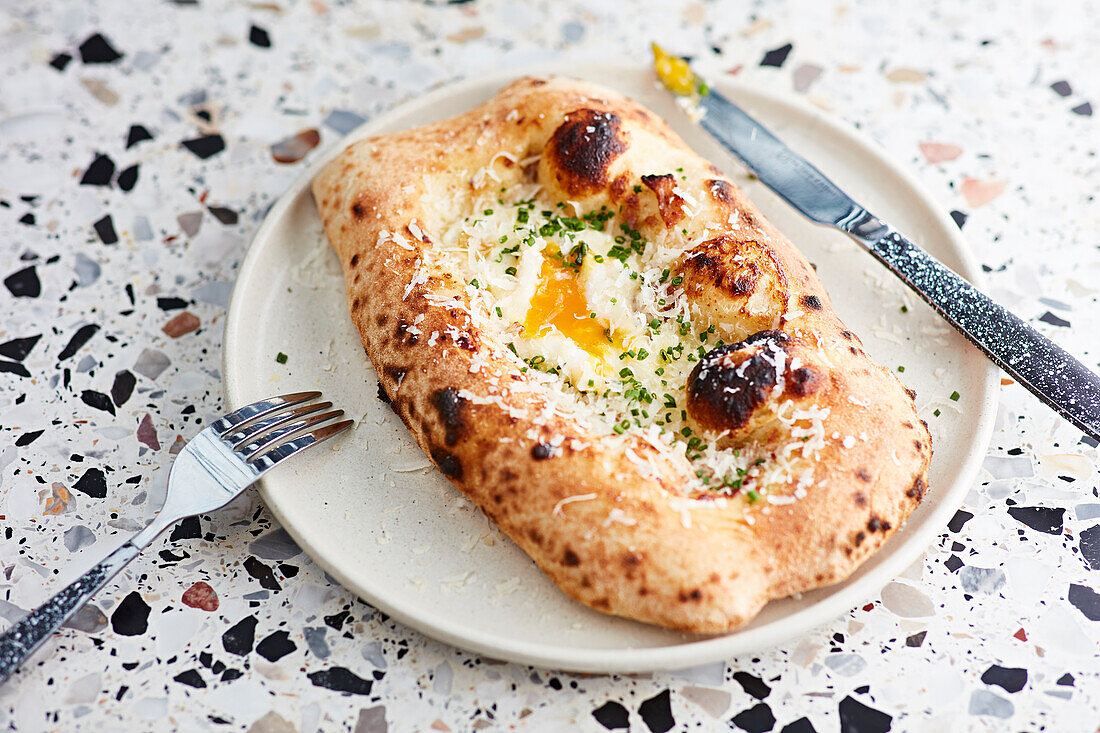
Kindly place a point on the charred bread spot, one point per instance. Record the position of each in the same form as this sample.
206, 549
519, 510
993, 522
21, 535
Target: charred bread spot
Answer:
847, 335
535, 536
358, 211
618, 187
397, 374
383, 396
860, 536
631, 559
542, 451
804, 381
692, 595
917, 491
537, 82
402, 333
583, 148
355, 259
878, 525
863, 475
733, 267
447, 463
860, 498
570, 559
450, 407
811, 302
381, 319
721, 191
918, 445
468, 340
912, 394
724, 391
356, 302
669, 202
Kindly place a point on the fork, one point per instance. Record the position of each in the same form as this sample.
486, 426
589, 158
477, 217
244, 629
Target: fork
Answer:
215, 467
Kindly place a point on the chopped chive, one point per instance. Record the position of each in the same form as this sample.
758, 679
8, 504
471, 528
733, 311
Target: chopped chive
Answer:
281, 358
955, 396
901, 369
753, 496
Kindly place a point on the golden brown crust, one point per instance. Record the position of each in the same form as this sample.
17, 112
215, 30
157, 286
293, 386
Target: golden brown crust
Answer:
680, 561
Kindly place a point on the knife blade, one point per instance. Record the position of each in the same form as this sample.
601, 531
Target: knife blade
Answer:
1052, 374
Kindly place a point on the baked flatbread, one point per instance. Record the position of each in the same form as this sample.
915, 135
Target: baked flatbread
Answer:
599, 339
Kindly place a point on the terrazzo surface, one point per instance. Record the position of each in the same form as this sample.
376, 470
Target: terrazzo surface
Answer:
141, 144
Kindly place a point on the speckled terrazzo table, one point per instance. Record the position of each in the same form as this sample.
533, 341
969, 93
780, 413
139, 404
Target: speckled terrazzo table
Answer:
141, 144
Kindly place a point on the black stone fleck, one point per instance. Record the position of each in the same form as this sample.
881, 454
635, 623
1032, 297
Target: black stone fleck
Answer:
1040, 518
336, 620
28, 437
191, 678
205, 146
802, 725
98, 50
105, 230
137, 134
757, 719
752, 684
1065, 680
239, 638
916, 639
1085, 600
99, 172
959, 217
93, 483
78, 339
13, 367
262, 573
341, 679
257, 36
19, 348
60, 61
24, 283
777, 56
1062, 88
127, 179
961, 517
1054, 320
612, 715
855, 717
953, 563
224, 215
27, 219
98, 400
1011, 679
276, 646
122, 387
131, 616
187, 529
1090, 546
171, 303
656, 712
1085, 110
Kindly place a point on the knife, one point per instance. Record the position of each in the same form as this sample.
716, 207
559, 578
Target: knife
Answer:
1048, 371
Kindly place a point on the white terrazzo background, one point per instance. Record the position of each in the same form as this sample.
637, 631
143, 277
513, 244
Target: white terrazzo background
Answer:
1017, 158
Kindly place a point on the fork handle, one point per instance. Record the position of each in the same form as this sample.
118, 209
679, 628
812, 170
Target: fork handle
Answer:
31, 631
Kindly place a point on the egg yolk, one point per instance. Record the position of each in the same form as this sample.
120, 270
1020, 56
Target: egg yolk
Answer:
559, 301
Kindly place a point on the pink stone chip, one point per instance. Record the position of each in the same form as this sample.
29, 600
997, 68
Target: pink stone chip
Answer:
201, 596
979, 193
293, 149
940, 152
147, 433
184, 323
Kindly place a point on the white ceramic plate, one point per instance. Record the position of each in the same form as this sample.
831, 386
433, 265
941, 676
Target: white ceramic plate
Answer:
390, 528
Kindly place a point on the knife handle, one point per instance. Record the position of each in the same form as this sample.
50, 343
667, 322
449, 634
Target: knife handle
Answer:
1036, 362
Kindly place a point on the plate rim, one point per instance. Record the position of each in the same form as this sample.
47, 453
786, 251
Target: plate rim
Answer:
690, 652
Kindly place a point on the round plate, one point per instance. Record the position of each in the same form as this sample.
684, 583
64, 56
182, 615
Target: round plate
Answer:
375, 514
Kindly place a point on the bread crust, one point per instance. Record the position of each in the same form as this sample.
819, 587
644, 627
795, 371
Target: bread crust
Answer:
682, 561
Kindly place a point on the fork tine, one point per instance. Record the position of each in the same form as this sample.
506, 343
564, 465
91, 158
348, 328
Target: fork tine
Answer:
268, 458
251, 448
259, 409
248, 431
